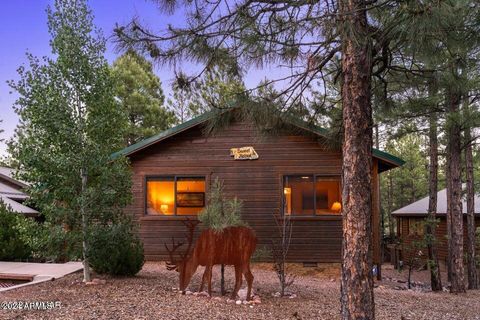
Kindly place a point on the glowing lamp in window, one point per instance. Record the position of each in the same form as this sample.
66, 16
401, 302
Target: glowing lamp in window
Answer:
287, 192
164, 208
336, 206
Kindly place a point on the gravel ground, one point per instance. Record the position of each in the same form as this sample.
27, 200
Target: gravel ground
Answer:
150, 295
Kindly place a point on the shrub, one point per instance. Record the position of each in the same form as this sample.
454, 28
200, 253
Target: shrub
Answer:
53, 242
261, 254
116, 250
22, 238
14, 229
221, 212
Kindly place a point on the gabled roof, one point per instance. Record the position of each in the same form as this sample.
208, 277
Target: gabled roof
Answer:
7, 173
389, 160
18, 207
11, 192
420, 207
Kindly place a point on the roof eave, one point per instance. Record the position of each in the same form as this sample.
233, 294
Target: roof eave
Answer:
384, 156
163, 135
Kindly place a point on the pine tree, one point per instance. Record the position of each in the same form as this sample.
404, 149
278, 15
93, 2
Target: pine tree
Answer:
431, 223
138, 92
460, 42
443, 51
473, 282
351, 41
215, 89
221, 213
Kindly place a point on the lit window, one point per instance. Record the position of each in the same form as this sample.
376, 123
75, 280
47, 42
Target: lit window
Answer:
311, 195
175, 195
190, 195
328, 199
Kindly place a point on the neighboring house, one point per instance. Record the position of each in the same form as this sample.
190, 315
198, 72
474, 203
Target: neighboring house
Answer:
11, 193
411, 219
293, 172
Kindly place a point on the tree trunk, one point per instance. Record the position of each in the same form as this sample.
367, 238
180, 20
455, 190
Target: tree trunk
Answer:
454, 189
379, 199
448, 216
86, 265
357, 280
390, 206
471, 257
435, 278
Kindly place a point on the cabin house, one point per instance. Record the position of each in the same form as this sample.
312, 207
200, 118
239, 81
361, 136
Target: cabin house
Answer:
411, 223
11, 193
292, 172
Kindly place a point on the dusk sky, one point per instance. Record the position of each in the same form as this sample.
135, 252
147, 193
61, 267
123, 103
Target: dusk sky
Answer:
23, 27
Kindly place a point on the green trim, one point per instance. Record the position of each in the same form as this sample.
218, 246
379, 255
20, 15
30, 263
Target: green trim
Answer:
209, 115
164, 134
324, 132
388, 157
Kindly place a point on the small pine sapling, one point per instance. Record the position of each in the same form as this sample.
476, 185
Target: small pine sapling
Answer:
221, 213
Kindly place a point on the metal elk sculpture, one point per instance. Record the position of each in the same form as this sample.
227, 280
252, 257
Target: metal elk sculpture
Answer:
230, 246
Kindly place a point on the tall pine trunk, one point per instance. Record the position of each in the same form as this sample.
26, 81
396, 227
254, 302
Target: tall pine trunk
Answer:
357, 281
471, 257
448, 216
454, 190
390, 206
435, 278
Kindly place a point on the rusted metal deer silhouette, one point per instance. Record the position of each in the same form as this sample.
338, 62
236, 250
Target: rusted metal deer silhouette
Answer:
230, 246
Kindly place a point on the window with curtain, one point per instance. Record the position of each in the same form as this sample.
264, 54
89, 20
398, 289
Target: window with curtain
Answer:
175, 195
311, 195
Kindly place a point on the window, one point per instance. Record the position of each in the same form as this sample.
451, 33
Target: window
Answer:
175, 195
415, 226
311, 195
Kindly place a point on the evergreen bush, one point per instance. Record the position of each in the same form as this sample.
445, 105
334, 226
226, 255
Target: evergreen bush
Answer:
115, 249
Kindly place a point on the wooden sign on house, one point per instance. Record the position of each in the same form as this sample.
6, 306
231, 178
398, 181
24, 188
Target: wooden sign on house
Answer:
244, 153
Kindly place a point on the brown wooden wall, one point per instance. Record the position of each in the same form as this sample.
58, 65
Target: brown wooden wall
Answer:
440, 234
257, 182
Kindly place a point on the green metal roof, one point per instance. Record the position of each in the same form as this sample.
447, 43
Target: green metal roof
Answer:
164, 134
387, 157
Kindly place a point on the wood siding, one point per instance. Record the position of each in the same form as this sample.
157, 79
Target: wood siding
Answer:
441, 235
258, 183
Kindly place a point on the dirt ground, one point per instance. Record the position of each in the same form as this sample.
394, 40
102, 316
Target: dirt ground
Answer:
151, 295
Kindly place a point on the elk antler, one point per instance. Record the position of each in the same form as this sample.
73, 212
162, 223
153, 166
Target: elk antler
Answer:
190, 225
172, 264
